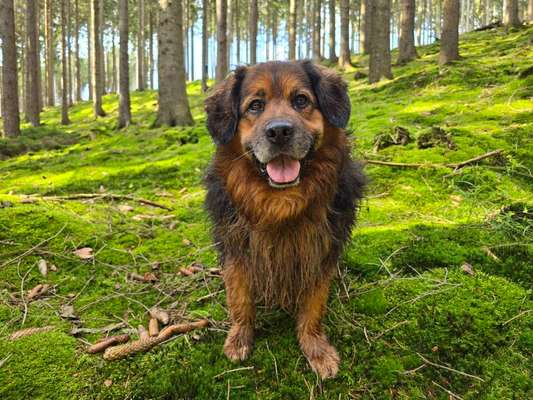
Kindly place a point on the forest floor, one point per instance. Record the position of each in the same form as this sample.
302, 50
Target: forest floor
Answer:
434, 296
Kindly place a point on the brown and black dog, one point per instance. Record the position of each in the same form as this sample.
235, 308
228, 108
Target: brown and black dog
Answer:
282, 191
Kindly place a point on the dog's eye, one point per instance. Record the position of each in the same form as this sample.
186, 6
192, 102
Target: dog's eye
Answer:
301, 101
256, 106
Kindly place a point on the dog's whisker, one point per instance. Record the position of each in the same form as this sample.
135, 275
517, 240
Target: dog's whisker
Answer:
242, 155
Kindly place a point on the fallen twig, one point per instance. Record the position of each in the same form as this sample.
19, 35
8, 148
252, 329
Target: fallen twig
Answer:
30, 331
110, 196
31, 250
109, 328
138, 346
454, 166
449, 369
452, 394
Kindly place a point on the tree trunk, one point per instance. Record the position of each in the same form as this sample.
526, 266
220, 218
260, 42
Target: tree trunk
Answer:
274, 34
38, 40
102, 47
530, 11
173, 103
205, 50
254, 17
222, 41
380, 58
140, 47
292, 29
151, 47
96, 59
332, 54
344, 57
124, 109
77, 51
114, 61
366, 26
89, 59
32, 62
64, 61
50, 53
69, 52
192, 60
230, 30
316, 30
237, 33
407, 49
510, 14
449, 45
10, 109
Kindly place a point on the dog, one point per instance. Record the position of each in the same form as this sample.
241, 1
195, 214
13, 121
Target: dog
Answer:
282, 193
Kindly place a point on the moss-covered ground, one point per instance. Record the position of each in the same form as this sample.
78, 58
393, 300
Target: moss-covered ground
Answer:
408, 321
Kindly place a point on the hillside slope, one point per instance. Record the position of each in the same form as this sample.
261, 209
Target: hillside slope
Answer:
407, 319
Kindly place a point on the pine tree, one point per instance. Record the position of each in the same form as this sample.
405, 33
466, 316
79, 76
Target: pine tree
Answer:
124, 109
406, 48
222, 40
449, 45
380, 57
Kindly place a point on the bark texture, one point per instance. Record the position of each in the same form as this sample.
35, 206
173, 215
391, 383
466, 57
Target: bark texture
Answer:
124, 108
49, 54
96, 58
77, 50
205, 54
510, 14
316, 30
254, 17
222, 40
292, 29
332, 30
344, 56
407, 49
10, 109
380, 57
64, 61
449, 45
140, 48
32, 63
173, 105
366, 26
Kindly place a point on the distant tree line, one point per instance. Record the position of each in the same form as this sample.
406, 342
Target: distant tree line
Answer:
53, 50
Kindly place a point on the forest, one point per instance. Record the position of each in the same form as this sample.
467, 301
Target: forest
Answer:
110, 284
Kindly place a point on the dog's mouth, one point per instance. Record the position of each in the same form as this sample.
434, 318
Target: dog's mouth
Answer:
283, 171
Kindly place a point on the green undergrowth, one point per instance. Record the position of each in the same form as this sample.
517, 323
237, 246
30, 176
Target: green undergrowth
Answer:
409, 317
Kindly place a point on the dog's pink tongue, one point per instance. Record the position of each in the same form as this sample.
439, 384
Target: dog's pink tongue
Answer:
283, 169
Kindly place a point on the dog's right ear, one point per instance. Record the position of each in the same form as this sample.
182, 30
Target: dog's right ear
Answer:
222, 107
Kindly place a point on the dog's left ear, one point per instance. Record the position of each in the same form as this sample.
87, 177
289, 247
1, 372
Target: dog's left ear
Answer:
331, 92
222, 107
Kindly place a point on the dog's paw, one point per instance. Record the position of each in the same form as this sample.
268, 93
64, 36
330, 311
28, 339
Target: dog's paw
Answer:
322, 357
239, 342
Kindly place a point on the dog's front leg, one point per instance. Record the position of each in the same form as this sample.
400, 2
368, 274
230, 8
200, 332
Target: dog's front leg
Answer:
321, 355
241, 306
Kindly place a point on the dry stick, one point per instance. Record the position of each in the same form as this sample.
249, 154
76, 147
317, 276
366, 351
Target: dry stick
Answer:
33, 248
448, 368
125, 350
454, 166
105, 196
452, 394
103, 344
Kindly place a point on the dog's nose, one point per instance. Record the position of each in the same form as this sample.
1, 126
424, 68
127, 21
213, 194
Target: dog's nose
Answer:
279, 131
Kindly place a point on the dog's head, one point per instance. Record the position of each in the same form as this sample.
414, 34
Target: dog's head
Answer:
276, 114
